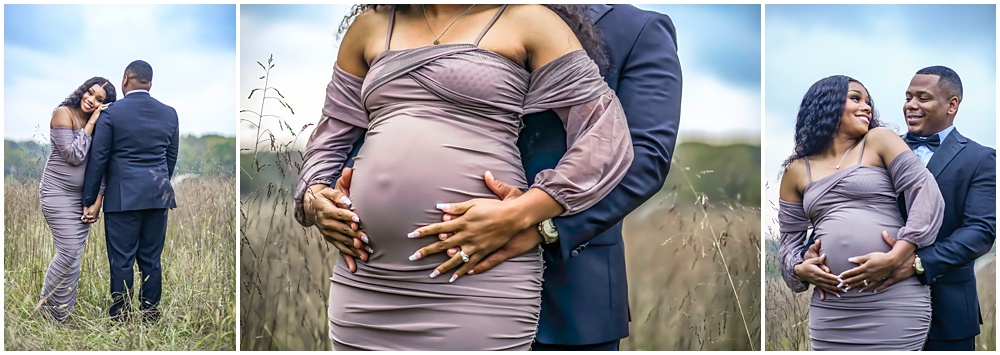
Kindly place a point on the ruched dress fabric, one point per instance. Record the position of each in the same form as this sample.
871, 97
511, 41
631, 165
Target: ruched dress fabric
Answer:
849, 210
435, 119
59, 191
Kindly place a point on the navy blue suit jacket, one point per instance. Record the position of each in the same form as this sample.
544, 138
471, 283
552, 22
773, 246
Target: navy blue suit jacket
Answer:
135, 148
966, 173
584, 293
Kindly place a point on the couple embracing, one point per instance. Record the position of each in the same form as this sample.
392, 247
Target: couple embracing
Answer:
119, 156
897, 222
443, 247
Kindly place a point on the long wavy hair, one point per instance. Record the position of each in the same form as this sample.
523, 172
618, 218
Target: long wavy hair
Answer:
820, 115
575, 16
73, 101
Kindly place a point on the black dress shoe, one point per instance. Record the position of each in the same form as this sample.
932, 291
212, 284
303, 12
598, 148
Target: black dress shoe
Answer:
150, 315
120, 315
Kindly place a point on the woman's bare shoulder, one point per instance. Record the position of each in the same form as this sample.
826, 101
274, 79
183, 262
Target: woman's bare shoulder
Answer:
61, 117
791, 181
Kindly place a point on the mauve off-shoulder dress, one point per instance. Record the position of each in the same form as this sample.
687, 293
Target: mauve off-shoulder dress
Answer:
848, 211
59, 191
437, 118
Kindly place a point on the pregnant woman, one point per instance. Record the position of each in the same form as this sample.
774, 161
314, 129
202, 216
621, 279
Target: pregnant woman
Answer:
843, 180
62, 186
438, 91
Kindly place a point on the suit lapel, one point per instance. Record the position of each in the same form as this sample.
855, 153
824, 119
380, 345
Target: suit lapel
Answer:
952, 144
598, 11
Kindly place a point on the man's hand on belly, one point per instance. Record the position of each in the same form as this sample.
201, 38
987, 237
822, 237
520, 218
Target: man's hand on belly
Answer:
877, 266
903, 272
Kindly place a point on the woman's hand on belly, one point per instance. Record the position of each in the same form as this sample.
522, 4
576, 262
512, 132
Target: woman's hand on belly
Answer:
481, 226
329, 210
812, 271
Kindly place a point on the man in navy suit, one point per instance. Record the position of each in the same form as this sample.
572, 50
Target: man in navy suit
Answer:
135, 150
966, 174
584, 292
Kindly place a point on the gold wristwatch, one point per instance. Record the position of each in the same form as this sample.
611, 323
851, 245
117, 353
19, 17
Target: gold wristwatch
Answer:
548, 231
917, 265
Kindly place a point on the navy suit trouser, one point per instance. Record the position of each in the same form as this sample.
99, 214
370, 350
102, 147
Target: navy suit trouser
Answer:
135, 237
967, 344
609, 346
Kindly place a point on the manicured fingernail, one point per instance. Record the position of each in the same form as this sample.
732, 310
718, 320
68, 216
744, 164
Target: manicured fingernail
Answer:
851, 259
435, 274
847, 289
356, 219
453, 278
840, 285
346, 200
370, 250
838, 295
364, 238
442, 206
415, 256
413, 234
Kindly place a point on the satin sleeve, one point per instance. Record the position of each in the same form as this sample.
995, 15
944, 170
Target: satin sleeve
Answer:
72, 148
793, 225
599, 146
924, 203
343, 121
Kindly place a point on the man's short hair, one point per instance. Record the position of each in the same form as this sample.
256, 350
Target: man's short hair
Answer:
140, 71
947, 79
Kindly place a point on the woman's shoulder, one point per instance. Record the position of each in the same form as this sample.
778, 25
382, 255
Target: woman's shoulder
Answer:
61, 117
881, 133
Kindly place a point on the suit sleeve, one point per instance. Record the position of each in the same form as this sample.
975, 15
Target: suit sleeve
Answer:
172, 150
100, 148
650, 93
977, 233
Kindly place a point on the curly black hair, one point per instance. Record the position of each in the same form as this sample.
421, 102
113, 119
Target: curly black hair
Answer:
820, 115
73, 101
575, 16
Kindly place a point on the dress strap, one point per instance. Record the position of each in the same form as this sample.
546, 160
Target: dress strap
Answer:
862, 153
490, 24
809, 173
392, 20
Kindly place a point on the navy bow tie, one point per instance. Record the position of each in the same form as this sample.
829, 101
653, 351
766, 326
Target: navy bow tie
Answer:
914, 141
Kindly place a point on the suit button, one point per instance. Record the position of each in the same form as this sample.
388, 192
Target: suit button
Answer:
574, 253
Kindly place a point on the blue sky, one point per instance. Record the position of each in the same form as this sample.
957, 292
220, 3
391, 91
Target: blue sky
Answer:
49, 50
717, 61
882, 46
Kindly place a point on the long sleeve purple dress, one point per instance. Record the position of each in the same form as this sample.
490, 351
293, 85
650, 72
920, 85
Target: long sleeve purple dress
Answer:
435, 119
848, 211
59, 191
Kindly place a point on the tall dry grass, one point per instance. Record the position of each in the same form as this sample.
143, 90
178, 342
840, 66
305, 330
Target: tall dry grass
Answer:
199, 279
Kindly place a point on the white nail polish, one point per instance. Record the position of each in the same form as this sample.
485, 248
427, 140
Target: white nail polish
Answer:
435, 274
453, 278
364, 238
415, 256
346, 200
370, 250
851, 259
413, 234
356, 219
442, 206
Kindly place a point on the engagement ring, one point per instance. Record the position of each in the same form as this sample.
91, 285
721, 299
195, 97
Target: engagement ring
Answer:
465, 257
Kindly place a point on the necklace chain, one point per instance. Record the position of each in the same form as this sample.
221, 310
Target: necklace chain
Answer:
437, 38
845, 156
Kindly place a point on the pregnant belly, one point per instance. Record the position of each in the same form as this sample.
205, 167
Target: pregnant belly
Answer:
406, 167
843, 238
